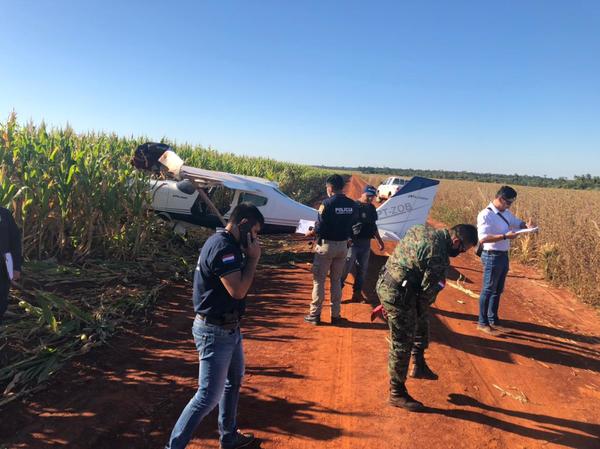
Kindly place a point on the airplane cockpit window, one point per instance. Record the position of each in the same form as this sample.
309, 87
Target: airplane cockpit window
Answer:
186, 186
257, 200
396, 181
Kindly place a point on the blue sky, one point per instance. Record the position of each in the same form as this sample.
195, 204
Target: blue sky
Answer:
488, 86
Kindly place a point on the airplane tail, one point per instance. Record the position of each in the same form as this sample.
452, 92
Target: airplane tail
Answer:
408, 207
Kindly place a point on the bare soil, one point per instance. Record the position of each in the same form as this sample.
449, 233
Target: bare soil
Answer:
535, 386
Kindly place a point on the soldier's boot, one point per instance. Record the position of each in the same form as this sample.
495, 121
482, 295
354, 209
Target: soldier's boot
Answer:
399, 397
420, 370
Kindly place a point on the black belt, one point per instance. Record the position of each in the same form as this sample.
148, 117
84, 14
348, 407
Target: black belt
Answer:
219, 321
495, 251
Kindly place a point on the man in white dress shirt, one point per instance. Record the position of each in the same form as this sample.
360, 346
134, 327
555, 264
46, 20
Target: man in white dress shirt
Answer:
495, 229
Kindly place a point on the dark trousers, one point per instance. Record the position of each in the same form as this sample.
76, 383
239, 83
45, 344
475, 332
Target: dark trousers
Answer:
408, 320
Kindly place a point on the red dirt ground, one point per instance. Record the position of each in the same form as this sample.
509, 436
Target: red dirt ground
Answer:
326, 387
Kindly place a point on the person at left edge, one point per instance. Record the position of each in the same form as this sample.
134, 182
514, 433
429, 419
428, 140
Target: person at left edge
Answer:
10, 243
223, 276
333, 230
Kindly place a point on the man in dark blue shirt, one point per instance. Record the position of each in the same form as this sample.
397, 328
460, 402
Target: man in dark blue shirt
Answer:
333, 230
363, 231
223, 276
10, 254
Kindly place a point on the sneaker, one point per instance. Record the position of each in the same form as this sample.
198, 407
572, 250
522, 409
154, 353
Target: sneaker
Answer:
239, 440
314, 320
487, 329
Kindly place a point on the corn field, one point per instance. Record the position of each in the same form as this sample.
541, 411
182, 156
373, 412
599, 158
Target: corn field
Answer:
567, 248
96, 258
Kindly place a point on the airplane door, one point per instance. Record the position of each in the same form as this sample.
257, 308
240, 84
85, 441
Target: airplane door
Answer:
160, 195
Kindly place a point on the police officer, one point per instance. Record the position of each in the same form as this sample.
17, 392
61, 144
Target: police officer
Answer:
333, 230
223, 276
363, 231
410, 281
10, 249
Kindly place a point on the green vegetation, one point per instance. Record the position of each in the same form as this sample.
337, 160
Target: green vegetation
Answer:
96, 257
582, 182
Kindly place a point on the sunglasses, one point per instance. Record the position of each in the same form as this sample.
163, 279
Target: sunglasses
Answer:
507, 201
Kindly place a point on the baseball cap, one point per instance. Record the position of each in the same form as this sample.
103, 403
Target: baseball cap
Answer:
370, 190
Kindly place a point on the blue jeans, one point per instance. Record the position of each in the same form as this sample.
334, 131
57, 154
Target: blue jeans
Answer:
219, 378
495, 269
358, 254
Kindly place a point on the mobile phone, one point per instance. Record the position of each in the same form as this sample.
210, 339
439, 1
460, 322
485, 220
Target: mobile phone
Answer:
244, 229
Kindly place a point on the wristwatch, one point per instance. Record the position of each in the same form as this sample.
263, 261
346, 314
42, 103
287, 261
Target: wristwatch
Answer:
503, 236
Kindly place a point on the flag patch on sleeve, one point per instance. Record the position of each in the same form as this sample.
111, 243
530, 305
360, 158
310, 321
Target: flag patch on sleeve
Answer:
228, 258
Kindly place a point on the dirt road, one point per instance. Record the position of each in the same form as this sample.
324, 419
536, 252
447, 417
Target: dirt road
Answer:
308, 387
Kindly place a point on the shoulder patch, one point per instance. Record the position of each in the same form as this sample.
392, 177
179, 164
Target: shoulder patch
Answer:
228, 258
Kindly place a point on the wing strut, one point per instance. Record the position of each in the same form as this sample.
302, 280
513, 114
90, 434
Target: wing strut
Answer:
210, 204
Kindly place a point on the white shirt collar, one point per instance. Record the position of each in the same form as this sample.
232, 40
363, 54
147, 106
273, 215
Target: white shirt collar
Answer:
494, 208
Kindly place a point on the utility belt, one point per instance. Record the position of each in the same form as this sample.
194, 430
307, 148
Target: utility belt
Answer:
391, 281
227, 321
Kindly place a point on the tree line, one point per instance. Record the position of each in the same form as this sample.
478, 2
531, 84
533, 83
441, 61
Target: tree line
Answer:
581, 182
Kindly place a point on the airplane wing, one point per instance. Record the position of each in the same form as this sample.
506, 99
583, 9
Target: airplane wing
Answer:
408, 207
208, 178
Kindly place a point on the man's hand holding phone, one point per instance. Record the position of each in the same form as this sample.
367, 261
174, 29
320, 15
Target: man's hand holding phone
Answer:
253, 250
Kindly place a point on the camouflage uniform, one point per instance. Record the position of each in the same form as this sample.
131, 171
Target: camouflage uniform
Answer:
410, 281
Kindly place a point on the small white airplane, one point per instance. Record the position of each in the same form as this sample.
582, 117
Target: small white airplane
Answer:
206, 198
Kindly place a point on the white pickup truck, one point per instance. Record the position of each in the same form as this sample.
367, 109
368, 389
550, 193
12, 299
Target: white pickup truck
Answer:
389, 187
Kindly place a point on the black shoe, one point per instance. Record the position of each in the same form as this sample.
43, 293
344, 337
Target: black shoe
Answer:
420, 370
314, 320
399, 397
338, 320
240, 440
357, 296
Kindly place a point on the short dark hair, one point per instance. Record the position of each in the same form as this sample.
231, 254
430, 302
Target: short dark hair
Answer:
336, 181
506, 192
248, 211
466, 233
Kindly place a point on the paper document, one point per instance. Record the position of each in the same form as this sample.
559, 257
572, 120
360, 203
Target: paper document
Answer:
304, 226
527, 230
9, 265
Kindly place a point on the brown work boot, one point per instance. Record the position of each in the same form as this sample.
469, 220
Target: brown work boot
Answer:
487, 329
399, 397
420, 370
